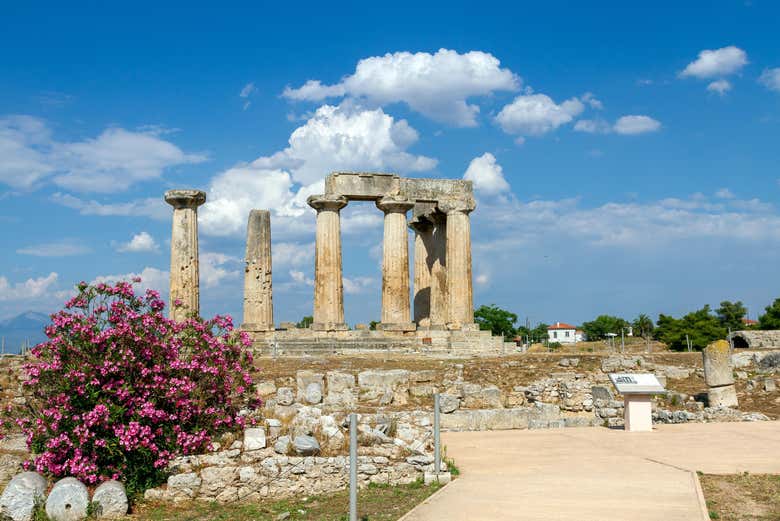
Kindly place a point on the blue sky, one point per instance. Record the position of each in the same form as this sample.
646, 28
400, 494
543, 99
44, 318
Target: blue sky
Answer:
626, 159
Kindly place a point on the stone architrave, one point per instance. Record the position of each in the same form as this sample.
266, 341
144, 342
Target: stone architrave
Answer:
460, 301
328, 282
396, 313
258, 288
184, 278
719, 374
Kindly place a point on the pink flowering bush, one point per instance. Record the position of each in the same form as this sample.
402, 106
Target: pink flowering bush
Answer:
121, 389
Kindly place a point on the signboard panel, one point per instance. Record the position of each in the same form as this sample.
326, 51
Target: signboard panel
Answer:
636, 383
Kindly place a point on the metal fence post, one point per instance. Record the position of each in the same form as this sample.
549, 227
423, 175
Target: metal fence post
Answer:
436, 438
353, 467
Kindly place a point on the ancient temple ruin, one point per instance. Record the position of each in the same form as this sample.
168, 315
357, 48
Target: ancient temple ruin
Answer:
442, 315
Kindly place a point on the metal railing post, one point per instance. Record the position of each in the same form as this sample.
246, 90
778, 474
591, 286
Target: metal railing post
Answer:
353, 467
436, 438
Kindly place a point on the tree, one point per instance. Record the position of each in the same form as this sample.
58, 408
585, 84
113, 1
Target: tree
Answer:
701, 328
730, 315
305, 322
770, 319
372, 325
603, 324
498, 321
539, 333
643, 325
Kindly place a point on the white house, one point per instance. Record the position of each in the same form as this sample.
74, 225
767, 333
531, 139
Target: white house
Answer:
564, 333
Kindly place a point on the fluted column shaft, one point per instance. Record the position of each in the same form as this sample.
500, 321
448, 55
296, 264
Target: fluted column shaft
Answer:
328, 282
258, 288
423, 239
396, 312
460, 308
184, 276
438, 266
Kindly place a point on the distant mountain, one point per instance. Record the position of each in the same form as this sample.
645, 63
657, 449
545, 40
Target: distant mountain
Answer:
24, 329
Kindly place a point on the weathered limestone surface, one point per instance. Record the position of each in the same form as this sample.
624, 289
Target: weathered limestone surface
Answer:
430, 271
328, 282
110, 500
67, 501
723, 396
258, 288
460, 307
756, 339
395, 265
21, 495
718, 369
184, 252
423, 236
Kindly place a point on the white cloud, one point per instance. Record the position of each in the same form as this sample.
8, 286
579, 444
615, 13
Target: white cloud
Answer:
300, 278
593, 126
717, 62
153, 207
724, 193
487, 175
64, 248
770, 78
215, 267
720, 86
357, 285
591, 100
537, 114
29, 289
140, 242
343, 137
636, 124
113, 161
247, 90
151, 278
436, 85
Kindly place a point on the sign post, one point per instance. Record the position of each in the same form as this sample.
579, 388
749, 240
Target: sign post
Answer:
637, 390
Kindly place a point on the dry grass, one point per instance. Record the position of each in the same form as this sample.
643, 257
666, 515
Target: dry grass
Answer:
375, 503
742, 497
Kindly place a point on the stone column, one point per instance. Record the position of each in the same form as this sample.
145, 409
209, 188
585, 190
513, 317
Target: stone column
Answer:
460, 299
423, 234
185, 290
719, 375
396, 314
430, 272
258, 288
328, 284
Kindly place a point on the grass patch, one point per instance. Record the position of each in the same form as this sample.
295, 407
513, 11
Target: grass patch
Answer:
742, 497
377, 502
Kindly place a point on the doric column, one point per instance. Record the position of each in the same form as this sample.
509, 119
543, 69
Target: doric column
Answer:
258, 288
460, 302
185, 291
423, 238
396, 315
328, 284
438, 266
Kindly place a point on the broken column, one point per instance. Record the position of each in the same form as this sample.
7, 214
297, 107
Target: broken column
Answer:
719, 375
258, 289
328, 282
184, 291
396, 313
460, 299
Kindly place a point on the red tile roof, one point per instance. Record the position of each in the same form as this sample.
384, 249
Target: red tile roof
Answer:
561, 325
749, 322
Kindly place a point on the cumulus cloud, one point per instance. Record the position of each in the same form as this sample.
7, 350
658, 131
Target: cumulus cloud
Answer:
140, 242
537, 114
634, 124
716, 62
593, 126
300, 277
215, 267
343, 137
65, 248
770, 78
719, 86
115, 160
29, 289
436, 85
487, 175
153, 207
357, 285
151, 278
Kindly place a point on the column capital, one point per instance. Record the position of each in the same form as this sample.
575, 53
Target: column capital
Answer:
327, 202
185, 198
390, 204
457, 205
